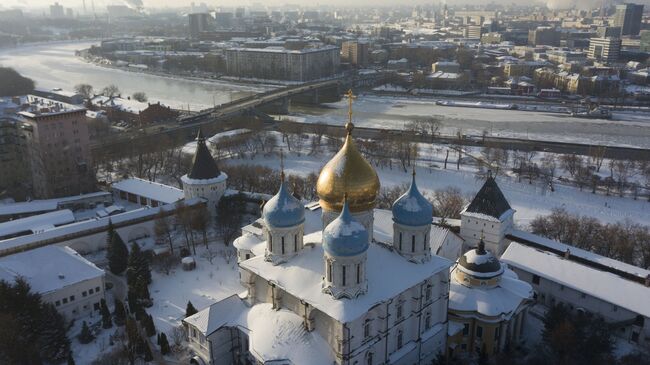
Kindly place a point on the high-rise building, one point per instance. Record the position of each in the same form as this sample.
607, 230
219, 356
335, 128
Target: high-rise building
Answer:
198, 23
356, 53
628, 17
56, 11
472, 31
58, 148
604, 49
223, 20
644, 45
608, 32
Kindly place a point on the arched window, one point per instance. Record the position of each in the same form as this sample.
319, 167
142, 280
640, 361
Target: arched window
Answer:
295, 243
400, 339
413, 243
329, 271
270, 242
283, 245
366, 328
343, 275
399, 310
369, 358
358, 273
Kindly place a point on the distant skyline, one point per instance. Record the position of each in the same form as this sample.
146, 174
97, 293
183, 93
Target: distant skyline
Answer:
101, 4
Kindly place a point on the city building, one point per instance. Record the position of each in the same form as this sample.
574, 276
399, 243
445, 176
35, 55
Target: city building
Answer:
58, 147
133, 112
489, 303
562, 56
356, 53
604, 49
63, 278
57, 11
15, 174
329, 290
547, 36
644, 42
473, 31
282, 64
198, 23
608, 32
445, 66
628, 18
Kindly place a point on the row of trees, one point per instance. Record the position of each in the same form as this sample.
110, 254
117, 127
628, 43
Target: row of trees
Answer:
625, 241
87, 91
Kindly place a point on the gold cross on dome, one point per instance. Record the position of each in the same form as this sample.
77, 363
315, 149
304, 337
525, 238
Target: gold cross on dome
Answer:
349, 126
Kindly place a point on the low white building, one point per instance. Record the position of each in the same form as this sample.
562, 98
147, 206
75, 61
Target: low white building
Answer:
585, 282
74, 285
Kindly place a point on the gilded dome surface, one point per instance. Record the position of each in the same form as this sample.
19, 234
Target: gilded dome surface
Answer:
348, 172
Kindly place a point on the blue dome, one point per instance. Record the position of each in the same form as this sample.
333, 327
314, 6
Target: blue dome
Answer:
283, 209
412, 209
345, 236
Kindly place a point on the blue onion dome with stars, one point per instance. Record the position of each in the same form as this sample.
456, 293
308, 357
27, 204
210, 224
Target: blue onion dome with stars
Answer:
345, 236
412, 208
283, 209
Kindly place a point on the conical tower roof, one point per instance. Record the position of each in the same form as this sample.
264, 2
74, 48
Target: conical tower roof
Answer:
489, 200
203, 165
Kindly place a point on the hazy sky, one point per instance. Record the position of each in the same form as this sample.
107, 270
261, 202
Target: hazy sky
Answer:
177, 3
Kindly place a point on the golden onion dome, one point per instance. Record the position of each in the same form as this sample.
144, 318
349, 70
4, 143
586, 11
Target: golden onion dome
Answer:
348, 172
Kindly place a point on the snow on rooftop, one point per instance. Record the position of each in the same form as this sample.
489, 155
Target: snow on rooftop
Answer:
390, 275
36, 222
584, 254
45, 205
604, 285
500, 301
149, 189
274, 335
48, 268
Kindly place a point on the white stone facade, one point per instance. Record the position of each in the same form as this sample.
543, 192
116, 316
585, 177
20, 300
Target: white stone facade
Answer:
282, 243
412, 242
493, 231
210, 189
78, 300
345, 277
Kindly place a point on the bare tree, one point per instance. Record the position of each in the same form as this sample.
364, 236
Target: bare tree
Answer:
200, 221
621, 172
549, 166
163, 229
597, 155
140, 96
571, 163
449, 202
84, 90
110, 90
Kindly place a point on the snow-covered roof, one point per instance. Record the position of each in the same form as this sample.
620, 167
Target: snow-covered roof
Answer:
45, 205
58, 234
590, 258
125, 105
274, 335
499, 301
345, 236
388, 275
445, 243
37, 222
149, 189
48, 268
603, 285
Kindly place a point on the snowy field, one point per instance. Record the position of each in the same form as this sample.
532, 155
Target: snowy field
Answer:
528, 200
625, 129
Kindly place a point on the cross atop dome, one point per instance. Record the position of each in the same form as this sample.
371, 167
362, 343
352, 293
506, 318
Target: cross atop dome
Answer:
349, 126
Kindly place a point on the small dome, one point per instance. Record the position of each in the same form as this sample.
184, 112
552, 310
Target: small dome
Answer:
412, 209
345, 236
348, 173
283, 209
479, 262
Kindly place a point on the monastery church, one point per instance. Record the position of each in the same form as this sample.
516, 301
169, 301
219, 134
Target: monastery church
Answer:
342, 282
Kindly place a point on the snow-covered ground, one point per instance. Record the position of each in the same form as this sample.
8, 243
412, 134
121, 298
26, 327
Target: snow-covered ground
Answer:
625, 129
528, 200
207, 284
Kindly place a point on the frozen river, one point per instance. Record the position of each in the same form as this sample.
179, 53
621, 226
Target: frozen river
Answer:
55, 65
626, 129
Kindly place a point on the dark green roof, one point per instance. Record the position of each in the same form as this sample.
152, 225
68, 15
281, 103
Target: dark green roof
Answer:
489, 200
203, 165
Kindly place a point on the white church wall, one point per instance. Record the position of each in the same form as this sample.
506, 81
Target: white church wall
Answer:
78, 300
